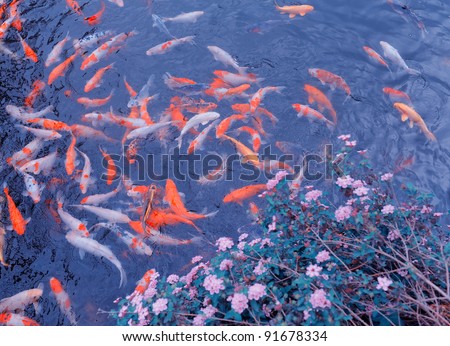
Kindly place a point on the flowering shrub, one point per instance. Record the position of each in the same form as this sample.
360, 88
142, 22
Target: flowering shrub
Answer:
363, 256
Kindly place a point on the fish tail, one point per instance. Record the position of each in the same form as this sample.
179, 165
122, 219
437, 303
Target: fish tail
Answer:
430, 135
196, 240
123, 276
412, 71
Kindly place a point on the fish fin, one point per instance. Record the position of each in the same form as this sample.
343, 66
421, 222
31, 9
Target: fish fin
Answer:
9, 227
430, 136
310, 100
412, 71
37, 308
82, 253
196, 240
27, 220
404, 117
292, 15
411, 124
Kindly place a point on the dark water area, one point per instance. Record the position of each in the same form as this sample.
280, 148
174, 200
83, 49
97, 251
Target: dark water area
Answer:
272, 46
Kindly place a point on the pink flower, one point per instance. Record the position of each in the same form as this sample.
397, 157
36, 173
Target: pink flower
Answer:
306, 314
357, 183
273, 226
173, 279
176, 290
344, 137
323, 256
243, 236
345, 182
271, 184
383, 283
226, 264
260, 268
199, 320
313, 195
361, 191
224, 243
256, 291
264, 242
196, 259
393, 234
193, 292
209, 311
438, 214
319, 299
350, 144
313, 270
425, 210
239, 302
213, 284
387, 177
159, 306
343, 213
280, 175
388, 209
241, 245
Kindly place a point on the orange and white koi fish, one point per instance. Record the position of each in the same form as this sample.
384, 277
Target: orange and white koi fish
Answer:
55, 55
100, 198
33, 189
143, 132
5, 26
22, 115
197, 143
246, 192
85, 179
216, 174
135, 243
73, 4
29, 52
295, 184
169, 45
375, 56
225, 58
91, 40
312, 114
98, 118
296, 10
397, 95
203, 118
28, 152
143, 94
117, 2
89, 103
14, 13
144, 282
256, 138
37, 88
96, 80
10, 319
248, 155
163, 239
70, 222
408, 112
60, 70
244, 108
95, 19
45, 135
111, 169
234, 79
253, 211
50, 124
326, 77
19, 302
190, 17
63, 300
176, 82
393, 55
225, 124
105, 49
95, 248
257, 98
176, 115
2, 247
19, 224
130, 89
144, 109
317, 96
44, 165
88, 132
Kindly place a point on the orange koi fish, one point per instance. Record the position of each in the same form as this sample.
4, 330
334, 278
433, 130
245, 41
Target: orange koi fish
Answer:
60, 70
296, 10
333, 80
89, 103
14, 13
246, 192
37, 88
259, 95
50, 124
226, 123
177, 82
131, 91
96, 80
111, 170
18, 222
311, 114
248, 155
5, 26
63, 300
95, 19
29, 52
169, 45
159, 218
73, 4
317, 96
256, 138
144, 282
408, 112
375, 56
228, 93
71, 156
88, 132
235, 79
397, 95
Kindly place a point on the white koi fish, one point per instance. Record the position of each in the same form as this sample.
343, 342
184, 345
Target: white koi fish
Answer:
190, 17
143, 132
202, 118
46, 135
85, 179
393, 55
22, 115
55, 54
100, 198
18, 302
226, 59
